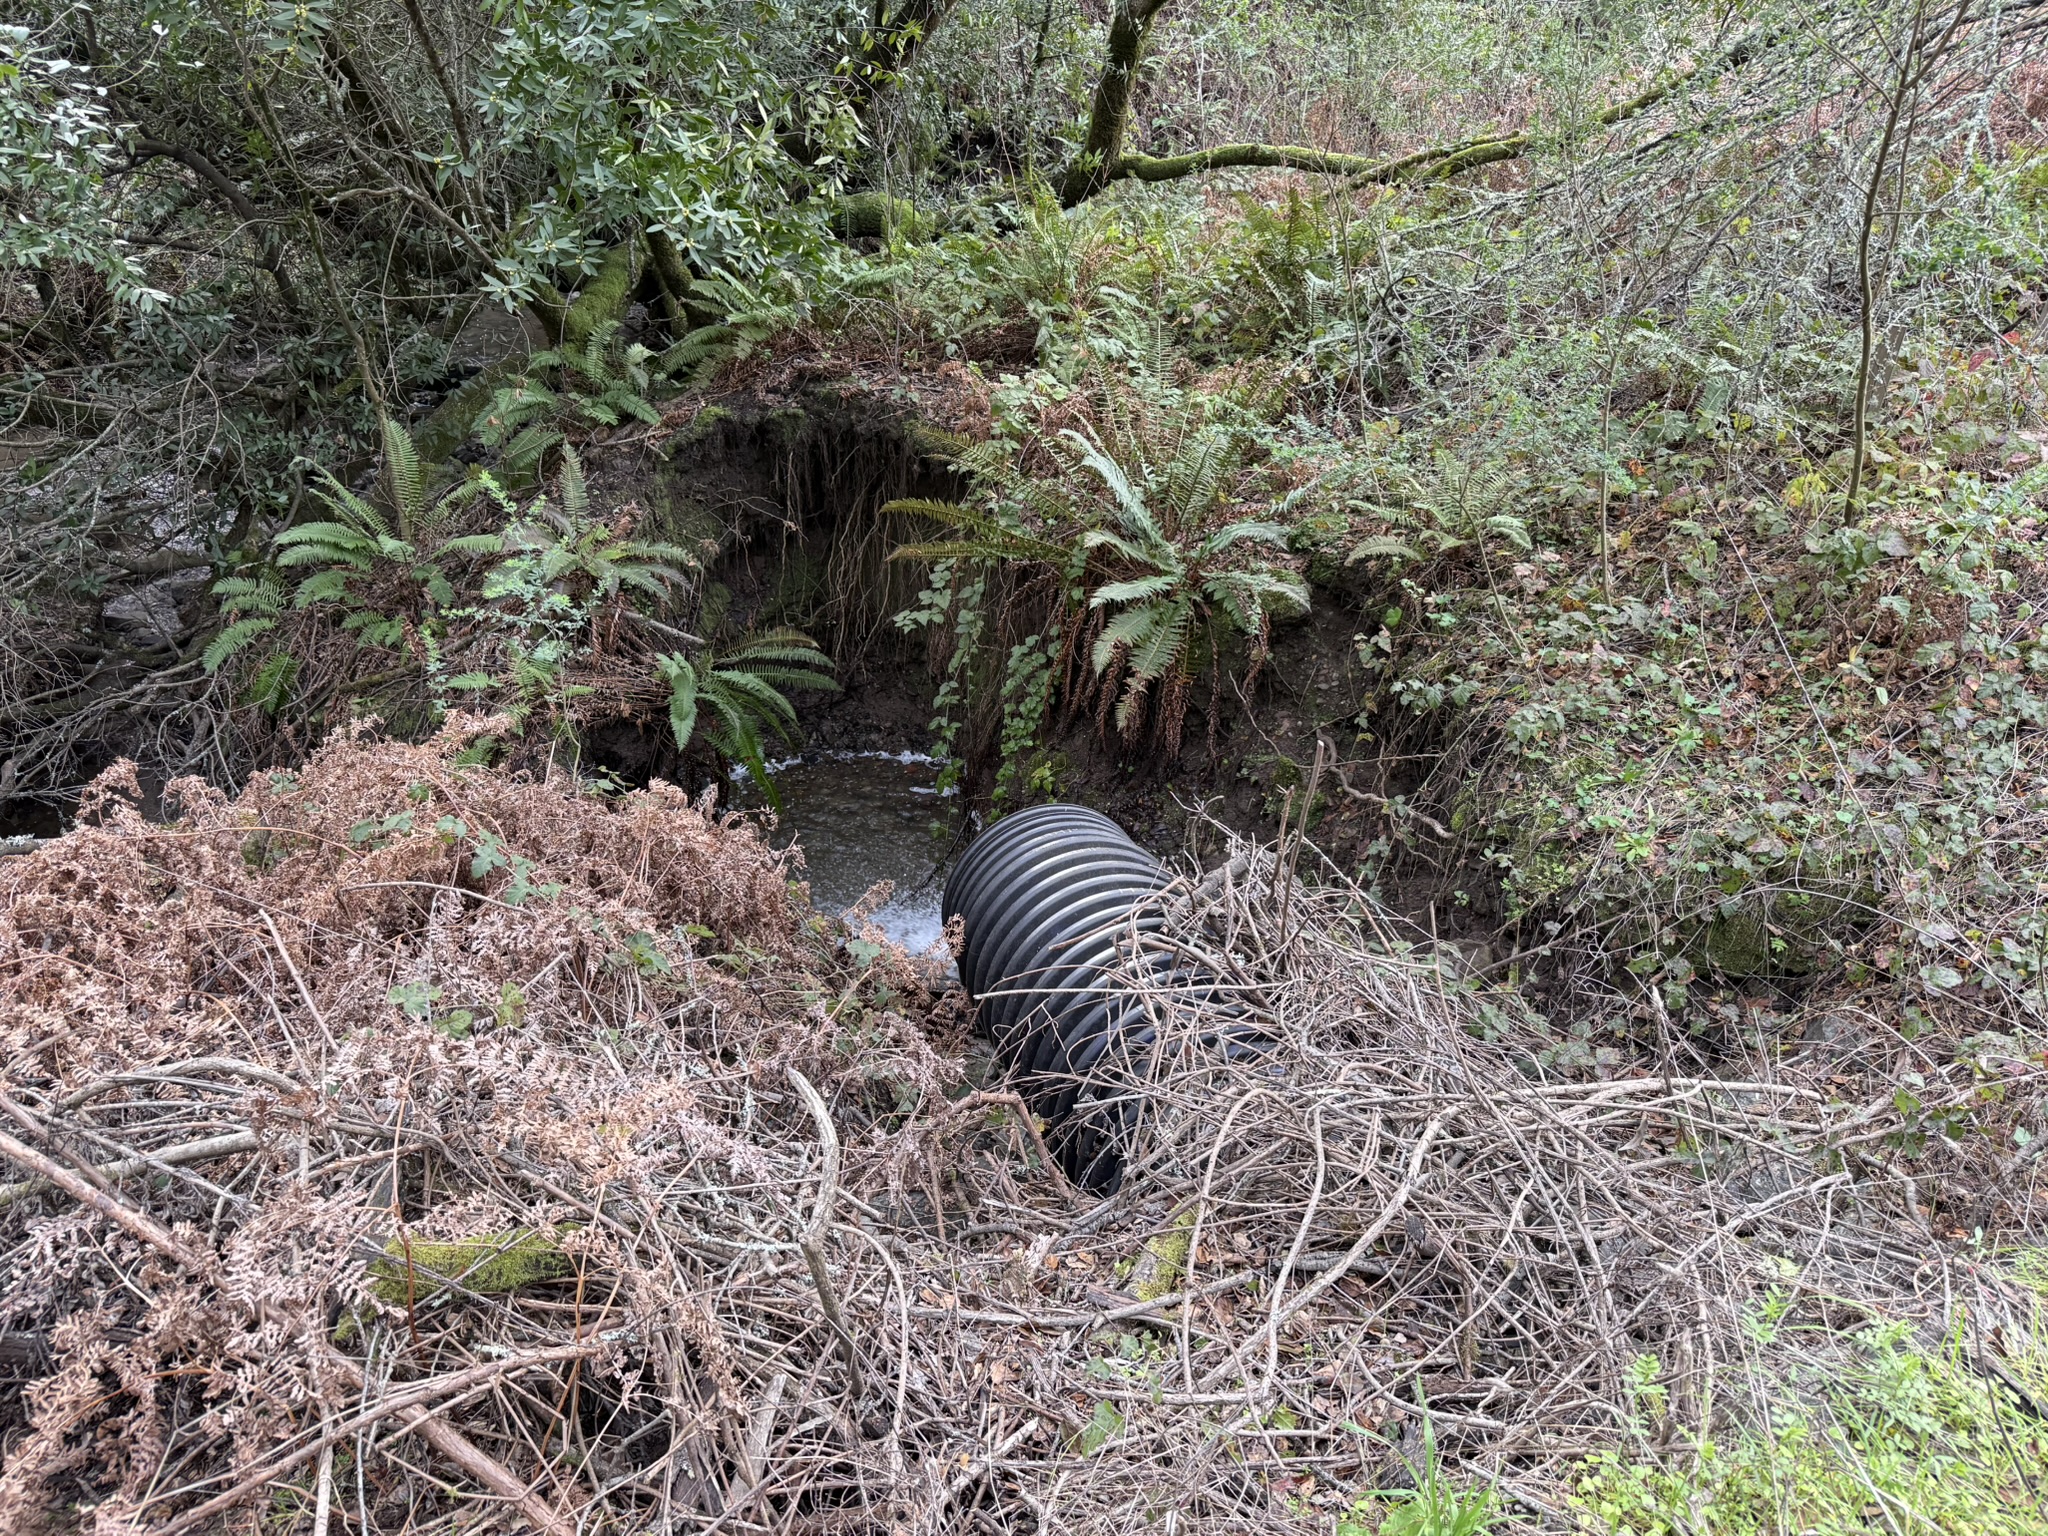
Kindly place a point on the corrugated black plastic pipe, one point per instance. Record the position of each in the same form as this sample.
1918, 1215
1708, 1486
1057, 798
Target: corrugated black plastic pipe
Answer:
1050, 899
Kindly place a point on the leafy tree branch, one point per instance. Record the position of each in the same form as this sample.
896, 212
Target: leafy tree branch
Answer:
873, 64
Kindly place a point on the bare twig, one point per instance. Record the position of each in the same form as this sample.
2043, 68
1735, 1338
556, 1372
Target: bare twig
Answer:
414, 1405
813, 1239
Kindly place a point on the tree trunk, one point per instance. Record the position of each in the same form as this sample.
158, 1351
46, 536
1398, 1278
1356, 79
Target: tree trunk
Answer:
602, 299
1102, 154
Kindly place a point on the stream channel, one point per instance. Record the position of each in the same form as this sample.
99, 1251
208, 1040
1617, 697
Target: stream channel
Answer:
864, 817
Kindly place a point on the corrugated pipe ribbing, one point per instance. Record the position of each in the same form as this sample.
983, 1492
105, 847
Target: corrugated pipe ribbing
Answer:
1050, 901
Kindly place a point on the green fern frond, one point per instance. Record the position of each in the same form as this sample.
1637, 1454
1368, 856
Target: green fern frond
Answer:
989, 538
789, 658
1150, 553
1511, 528
330, 585
681, 677
1165, 642
248, 595
594, 364
699, 352
376, 628
1124, 515
1131, 591
236, 637
271, 688
575, 489
1381, 547
994, 461
767, 702
644, 582
1112, 475
730, 697
734, 734
326, 544
1129, 629
405, 486
632, 404
1275, 534
654, 552
522, 456
801, 679
470, 545
945, 549
951, 513
1195, 478
782, 637
350, 508
515, 409
636, 359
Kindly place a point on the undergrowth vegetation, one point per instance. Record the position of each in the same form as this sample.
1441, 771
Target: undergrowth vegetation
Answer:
1129, 523
539, 629
1900, 1434
1688, 715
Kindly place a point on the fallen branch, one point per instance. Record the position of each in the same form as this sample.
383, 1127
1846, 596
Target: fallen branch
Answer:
459, 1449
450, 1442
1329, 1277
1090, 1321
976, 1469
1014, 1102
134, 1223
202, 1151
172, 1071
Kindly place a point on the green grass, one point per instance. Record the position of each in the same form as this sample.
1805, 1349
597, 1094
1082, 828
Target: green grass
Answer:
1436, 1506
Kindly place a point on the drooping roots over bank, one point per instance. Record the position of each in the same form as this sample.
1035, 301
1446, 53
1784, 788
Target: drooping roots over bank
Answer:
403, 1145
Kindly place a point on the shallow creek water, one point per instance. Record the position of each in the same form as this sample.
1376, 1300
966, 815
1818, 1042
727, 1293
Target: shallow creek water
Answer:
864, 817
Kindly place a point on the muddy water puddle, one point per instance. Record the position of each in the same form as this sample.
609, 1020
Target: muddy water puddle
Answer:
865, 817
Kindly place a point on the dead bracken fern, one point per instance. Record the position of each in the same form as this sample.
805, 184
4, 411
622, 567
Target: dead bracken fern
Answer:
387, 1009
403, 1145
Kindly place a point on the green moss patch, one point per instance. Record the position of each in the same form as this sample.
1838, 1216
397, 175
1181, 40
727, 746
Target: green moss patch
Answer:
492, 1264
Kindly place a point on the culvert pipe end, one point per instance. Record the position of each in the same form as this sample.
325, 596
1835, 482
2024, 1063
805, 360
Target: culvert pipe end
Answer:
1047, 899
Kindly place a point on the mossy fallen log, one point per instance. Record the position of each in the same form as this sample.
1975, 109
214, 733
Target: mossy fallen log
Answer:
1162, 1262
413, 1269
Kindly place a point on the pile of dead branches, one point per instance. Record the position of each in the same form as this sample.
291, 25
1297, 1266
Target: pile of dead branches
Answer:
1404, 1206
406, 1145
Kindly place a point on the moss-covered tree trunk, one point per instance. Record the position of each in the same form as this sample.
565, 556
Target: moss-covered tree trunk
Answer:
1096, 166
